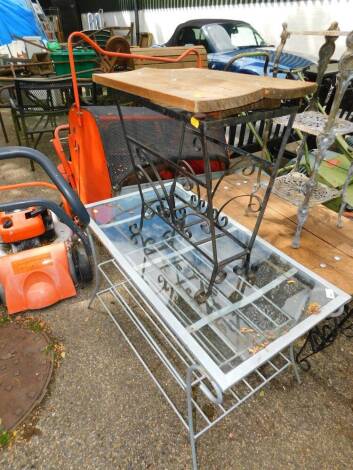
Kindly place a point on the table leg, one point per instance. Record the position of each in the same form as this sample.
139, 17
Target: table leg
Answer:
191, 416
344, 192
96, 274
324, 141
295, 365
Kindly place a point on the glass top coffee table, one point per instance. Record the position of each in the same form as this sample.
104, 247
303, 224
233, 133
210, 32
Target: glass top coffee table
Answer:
224, 349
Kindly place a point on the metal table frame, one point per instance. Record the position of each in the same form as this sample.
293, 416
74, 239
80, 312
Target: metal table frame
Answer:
204, 384
144, 158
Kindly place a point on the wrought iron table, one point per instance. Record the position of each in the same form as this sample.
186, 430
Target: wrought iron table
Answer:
217, 353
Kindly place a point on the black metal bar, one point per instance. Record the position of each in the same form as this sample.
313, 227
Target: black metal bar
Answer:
324, 335
182, 214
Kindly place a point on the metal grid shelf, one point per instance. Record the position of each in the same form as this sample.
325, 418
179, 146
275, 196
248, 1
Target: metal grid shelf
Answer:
206, 359
198, 402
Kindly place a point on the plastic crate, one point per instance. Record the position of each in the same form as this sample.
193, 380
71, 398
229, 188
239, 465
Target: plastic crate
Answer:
85, 59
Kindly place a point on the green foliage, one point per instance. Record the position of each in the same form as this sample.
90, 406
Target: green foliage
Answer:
4, 438
4, 320
35, 325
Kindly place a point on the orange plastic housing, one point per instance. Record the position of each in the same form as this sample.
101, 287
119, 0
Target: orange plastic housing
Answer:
19, 227
36, 278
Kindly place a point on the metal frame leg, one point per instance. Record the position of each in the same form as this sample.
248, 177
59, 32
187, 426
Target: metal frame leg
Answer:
136, 228
324, 141
191, 429
97, 275
25, 133
271, 183
344, 192
294, 363
200, 296
17, 126
2, 124
215, 397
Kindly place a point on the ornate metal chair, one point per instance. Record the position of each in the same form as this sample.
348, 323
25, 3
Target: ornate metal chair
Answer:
5, 104
37, 104
304, 190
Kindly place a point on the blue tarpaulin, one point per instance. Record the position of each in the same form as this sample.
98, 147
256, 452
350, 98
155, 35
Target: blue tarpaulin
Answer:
17, 18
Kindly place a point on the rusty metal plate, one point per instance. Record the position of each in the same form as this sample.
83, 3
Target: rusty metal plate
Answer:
25, 371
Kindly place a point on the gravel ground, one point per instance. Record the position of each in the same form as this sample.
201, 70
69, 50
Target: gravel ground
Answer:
103, 412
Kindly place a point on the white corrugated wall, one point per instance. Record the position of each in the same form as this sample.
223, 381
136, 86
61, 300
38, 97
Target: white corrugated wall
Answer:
265, 17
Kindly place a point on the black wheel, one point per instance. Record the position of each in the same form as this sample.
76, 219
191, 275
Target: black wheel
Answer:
81, 264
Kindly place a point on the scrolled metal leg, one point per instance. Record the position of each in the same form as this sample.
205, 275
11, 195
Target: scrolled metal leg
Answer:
324, 142
344, 193
300, 152
210, 215
302, 216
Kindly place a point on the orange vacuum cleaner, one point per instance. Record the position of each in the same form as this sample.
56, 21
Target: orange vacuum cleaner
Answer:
99, 162
44, 253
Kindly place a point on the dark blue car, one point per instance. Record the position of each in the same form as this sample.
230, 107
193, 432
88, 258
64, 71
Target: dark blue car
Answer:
224, 39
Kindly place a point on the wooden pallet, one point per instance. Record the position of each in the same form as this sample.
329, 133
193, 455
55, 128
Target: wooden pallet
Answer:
173, 52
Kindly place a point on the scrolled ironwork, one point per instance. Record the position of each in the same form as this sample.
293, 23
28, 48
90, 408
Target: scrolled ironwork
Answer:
251, 206
188, 183
186, 215
220, 218
180, 214
324, 335
245, 163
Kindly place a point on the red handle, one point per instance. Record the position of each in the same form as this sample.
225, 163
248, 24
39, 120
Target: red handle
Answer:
95, 46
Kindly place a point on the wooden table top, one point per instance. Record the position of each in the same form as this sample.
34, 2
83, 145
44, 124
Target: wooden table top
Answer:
325, 249
202, 90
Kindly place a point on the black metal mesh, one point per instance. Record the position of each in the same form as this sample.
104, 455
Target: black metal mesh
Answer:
45, 95
153, 129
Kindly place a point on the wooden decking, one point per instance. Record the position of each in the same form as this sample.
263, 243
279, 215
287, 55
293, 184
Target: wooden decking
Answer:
321, 240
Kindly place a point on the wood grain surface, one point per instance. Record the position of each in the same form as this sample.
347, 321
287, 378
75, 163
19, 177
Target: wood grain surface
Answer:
325, 249
202, 90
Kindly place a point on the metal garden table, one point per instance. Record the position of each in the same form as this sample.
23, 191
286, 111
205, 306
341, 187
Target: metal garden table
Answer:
217, 353
200, 105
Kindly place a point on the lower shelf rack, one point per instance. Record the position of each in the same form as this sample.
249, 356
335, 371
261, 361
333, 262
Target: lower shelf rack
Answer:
197, 401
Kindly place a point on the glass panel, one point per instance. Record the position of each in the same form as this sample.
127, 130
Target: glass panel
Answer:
228, 36
245, 311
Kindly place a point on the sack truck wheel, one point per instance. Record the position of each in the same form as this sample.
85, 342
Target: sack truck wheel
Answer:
80, 265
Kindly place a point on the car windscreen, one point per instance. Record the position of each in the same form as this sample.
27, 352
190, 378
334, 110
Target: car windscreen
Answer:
228, 36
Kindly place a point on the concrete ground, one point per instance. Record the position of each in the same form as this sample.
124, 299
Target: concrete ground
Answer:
104, 412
